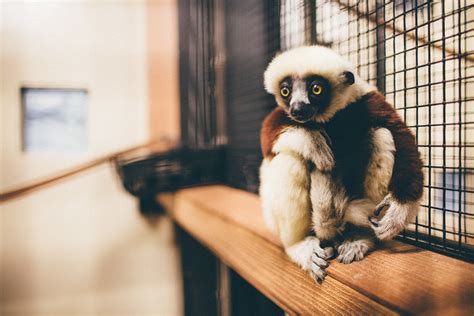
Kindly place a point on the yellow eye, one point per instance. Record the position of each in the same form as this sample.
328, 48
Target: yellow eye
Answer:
317, 89
285, 92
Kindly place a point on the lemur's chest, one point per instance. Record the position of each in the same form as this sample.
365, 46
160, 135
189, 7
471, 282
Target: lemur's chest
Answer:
349, 134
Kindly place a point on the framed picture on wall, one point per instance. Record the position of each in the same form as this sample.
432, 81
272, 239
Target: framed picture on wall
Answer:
54, 120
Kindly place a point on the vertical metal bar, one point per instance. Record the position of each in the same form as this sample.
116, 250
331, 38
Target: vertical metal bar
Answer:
212, 73
369, 64
315, 22
465, 125
183, 23
311, 19
196, 76
417, 93
404, 71
204, 68
429, 128
380, 31
443, 20
358, 40
460, 143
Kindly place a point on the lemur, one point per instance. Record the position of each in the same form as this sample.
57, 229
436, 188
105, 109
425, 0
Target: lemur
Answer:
335, 152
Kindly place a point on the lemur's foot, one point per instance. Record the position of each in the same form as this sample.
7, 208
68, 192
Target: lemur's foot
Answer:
311, 257
354, 249
395, 218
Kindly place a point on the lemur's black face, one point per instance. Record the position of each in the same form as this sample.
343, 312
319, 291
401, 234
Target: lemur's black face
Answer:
305, 97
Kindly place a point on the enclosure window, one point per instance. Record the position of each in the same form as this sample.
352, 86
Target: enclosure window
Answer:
54, 120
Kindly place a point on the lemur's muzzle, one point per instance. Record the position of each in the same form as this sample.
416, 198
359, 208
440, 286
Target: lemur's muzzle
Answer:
302, 112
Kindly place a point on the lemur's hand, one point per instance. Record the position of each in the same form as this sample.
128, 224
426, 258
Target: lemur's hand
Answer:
395, 219
311, 256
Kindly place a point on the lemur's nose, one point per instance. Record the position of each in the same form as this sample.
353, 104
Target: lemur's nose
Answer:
302, 111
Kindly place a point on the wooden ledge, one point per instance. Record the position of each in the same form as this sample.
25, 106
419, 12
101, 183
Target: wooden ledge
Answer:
398, 278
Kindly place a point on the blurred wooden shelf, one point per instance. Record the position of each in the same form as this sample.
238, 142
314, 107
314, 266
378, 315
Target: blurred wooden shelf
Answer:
398, 278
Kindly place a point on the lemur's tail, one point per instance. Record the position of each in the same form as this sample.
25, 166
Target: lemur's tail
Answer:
358, 211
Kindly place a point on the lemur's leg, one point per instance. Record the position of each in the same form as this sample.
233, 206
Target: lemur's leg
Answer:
380, 172
326, 218
284, 191
380, 167
356, 244
357, 212
353, 246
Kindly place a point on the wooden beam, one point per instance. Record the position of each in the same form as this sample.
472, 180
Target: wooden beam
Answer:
265, 265
64, 174
399, 277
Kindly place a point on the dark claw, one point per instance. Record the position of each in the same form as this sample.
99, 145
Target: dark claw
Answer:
379, 208
320, 280
330, 252
374, 221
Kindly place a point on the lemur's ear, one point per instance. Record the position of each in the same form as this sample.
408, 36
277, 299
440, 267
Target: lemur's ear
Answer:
348, 77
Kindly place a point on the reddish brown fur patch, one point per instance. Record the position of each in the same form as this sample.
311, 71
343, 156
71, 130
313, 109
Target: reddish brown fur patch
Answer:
273, 125
407, 179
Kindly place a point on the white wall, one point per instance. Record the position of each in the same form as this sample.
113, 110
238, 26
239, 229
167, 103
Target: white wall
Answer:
82, 248
100, 46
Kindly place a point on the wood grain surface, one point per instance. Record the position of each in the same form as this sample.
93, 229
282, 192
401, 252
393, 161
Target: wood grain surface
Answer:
401, 277
265, 266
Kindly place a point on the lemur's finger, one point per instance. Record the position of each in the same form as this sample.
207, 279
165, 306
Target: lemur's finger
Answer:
318, 261
385, 202
317, 273
380, 207
318, 251
374, 221
330, 252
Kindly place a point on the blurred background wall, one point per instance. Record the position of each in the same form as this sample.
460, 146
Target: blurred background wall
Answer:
81, 247
99, 46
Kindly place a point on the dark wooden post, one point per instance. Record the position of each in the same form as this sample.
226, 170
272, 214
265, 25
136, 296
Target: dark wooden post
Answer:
199, 270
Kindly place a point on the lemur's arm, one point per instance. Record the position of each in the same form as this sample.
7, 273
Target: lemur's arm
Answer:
280, 134
406, 184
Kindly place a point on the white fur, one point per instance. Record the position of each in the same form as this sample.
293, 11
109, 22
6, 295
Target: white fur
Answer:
354, 249
310, 145
309, 255
317, 60
395, 219
380, 167
326, 219
357, 212
299, 92
284, 191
